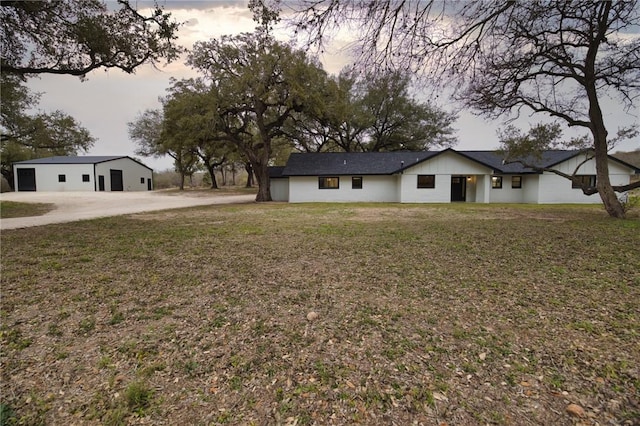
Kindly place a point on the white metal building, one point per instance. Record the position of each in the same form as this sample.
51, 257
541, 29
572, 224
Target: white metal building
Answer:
82, 173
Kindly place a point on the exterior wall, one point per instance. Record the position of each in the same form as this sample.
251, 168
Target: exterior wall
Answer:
530, 188
483, 187
556, 189
132, 172
279, 189
508, 194
410, 193
304, 189
443, 166
47, 176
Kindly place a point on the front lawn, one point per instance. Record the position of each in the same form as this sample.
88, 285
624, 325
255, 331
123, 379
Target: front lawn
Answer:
324, 314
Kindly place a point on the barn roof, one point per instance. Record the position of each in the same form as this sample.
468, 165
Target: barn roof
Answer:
81, 159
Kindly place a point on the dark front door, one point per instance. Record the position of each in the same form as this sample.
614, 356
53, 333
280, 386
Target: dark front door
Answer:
116, 180
26, 180
149, 185
100, 183
458, 188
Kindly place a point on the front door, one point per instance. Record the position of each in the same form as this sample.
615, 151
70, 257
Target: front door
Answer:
116, 180
458, 188
149, 184
100, 183
26, 180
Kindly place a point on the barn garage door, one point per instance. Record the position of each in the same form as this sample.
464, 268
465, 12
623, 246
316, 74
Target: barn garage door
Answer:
116, 180
26, 179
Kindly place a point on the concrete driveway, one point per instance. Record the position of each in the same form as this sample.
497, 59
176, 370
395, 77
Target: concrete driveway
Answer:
73, 206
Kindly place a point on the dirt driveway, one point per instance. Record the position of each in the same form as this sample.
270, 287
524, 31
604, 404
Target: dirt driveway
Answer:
72, 206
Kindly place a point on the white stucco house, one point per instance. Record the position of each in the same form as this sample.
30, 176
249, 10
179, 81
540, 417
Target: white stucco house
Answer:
436, 177
82, 173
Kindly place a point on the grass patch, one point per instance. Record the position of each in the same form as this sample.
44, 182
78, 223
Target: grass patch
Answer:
10, 209
458, 314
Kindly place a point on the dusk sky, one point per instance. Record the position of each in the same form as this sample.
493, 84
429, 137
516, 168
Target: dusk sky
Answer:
108, 100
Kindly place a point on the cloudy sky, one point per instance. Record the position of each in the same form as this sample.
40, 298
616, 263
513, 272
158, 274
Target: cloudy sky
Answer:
108, 100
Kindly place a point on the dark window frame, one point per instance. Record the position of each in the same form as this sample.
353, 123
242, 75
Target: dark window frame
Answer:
496, 182
356, 182
142, 180
86, 178
62, 178
426, 181
516, 185
589, 180
324, 182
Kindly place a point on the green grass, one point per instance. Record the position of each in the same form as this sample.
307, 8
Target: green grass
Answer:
200, 316
10, 209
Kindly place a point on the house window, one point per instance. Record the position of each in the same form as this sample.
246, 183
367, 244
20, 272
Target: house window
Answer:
86, 178
496, 182
426, 181
62, 178
142, 180
583, 180
516, 181
328, 182
356, 182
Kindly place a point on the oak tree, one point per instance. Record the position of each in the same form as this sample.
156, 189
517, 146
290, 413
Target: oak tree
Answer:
157, 138
258, 84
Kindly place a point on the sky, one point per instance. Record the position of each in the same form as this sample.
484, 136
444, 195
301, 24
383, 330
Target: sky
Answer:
108, 100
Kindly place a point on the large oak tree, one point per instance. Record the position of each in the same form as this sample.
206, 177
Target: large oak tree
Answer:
257, 84
557, 58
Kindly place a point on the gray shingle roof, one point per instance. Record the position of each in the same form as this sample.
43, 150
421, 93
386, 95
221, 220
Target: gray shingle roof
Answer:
386, 163
352, 163
493, 159
275, 172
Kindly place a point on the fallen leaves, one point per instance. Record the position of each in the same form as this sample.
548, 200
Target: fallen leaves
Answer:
334, 315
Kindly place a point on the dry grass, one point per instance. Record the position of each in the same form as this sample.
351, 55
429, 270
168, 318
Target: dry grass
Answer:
460, 314
9, 209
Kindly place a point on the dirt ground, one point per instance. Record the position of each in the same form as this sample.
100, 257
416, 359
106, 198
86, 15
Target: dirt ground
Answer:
73, 206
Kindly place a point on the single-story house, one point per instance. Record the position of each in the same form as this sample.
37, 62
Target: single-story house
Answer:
82, 173
436, 177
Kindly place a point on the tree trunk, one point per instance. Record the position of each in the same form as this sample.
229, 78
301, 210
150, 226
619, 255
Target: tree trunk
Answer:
249, 168
182, 177
212, 174
9, 177
598, 129
609, 198
262, 175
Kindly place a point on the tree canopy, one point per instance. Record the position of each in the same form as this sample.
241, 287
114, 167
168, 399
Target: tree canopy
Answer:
257, 84
75, 37
373, 112
502, 58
